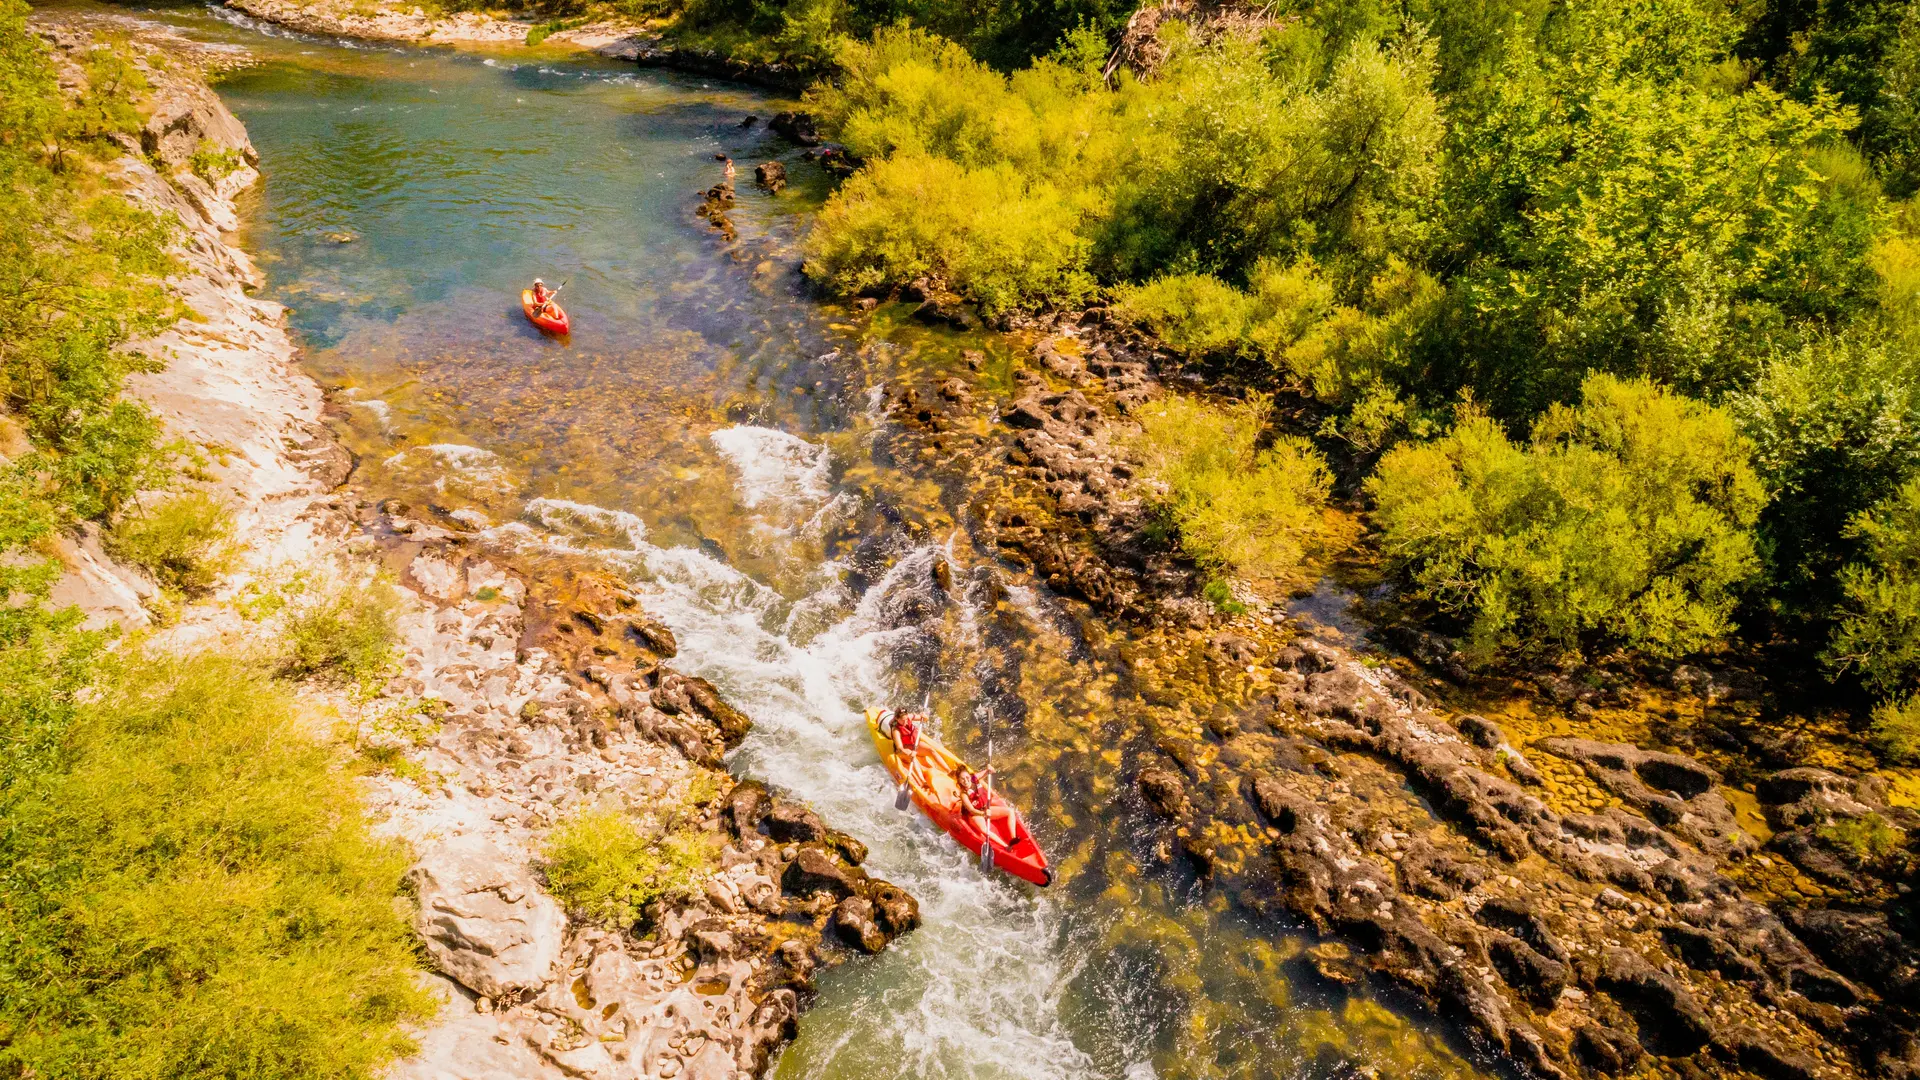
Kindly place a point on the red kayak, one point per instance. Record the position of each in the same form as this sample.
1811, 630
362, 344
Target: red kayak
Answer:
937, 793
555, 323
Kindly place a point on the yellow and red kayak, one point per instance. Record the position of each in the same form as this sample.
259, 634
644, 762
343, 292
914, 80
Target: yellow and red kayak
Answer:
555, 323
937, 792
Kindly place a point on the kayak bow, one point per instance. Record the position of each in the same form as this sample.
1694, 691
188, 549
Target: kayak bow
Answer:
937, 793
556, 324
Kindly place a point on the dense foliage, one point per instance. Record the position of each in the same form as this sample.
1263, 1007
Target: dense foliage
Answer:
1387, 209
184, 861
1625, 520
80, 274
187, 887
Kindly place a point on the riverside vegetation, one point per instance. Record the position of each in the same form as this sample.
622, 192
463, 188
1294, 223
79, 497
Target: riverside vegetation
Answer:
178, 854
1604, 311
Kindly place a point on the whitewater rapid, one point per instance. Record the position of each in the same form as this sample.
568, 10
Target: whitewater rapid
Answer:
978, 990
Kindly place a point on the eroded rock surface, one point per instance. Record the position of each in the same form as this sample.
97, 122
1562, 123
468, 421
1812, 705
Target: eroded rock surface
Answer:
1593, 939
484, 918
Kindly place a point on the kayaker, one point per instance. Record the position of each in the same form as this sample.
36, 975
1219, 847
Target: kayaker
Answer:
976, 799
903, 729
543, 300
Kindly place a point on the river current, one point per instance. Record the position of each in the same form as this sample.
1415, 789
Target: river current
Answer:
711, 432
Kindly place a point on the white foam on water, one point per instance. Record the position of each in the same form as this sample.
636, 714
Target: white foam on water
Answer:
775, 467
471, 466
588, 522
977, 990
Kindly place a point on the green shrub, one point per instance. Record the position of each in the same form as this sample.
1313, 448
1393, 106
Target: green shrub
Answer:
350, 634
214, 163
1617, 206
999, 238
1836, 429
1627, 520
599, 864
1289, 319
1896, 729
185, 541
81, 274
188, 889
1261, 513
1877, 636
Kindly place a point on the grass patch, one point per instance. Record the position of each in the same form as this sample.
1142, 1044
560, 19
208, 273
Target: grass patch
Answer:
185, 542
188, 889
1867, 841
350, 634
600, 864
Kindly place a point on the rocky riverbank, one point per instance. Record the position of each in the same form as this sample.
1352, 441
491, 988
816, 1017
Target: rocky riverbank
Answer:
619, 39
529, 689
1581, 905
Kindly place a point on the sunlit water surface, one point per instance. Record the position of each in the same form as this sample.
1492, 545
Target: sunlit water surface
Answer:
709, 431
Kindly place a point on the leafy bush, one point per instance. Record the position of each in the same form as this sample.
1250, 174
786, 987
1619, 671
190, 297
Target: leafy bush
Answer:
1261, 513
1626, 519
1896, 729
1231, 162
184, 541
1288, 318
599, 863
1878, 632
190, 890
1617, 208
350, 633
1002, 239
1836, 429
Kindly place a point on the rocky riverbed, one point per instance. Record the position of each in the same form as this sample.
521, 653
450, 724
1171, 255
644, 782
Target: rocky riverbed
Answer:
527, 690
1583, 905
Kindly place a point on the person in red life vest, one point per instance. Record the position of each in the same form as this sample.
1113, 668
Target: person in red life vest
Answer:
976, 800
904, 729
543, 300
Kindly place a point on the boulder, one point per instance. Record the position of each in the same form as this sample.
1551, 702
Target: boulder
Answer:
854, 919
1164, 790
790, 822
815, 869
771, 175
486, 923
796, 126
895, 909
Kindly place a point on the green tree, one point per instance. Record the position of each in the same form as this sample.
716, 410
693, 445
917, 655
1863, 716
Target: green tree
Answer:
1259, 512
1835, 427
1626, 520
1878, 635
1616, 201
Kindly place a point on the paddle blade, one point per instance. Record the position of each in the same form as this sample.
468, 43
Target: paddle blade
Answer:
902, 798
986, 857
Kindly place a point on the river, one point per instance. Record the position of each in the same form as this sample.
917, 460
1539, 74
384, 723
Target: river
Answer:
712, 431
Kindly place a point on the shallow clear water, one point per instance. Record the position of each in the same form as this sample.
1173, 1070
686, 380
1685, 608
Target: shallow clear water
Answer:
710, 432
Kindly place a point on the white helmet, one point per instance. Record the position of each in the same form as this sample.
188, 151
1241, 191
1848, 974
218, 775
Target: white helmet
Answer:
537, 281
